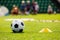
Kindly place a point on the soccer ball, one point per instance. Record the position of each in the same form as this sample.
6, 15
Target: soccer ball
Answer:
17, 26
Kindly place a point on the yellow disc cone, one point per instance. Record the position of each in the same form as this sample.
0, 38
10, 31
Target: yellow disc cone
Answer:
45, 30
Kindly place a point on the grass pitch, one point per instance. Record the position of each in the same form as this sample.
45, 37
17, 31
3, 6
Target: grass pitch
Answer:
31, 29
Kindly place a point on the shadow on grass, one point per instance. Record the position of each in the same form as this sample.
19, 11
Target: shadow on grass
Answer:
17, 32
11, 33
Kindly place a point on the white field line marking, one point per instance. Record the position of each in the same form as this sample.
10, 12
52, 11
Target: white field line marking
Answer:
23, 19
31, 19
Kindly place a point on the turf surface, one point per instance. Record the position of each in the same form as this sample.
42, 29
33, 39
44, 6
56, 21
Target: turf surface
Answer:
31, 30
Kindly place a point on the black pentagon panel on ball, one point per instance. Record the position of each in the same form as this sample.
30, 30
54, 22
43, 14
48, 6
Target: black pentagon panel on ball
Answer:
21, 30
14, 31
16, 25
22, 24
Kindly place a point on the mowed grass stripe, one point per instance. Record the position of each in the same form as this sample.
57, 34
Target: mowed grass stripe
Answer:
31, 30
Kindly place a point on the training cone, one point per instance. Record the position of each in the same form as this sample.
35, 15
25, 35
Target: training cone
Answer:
45, 30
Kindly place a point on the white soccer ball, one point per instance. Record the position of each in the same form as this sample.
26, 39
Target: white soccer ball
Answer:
17, 26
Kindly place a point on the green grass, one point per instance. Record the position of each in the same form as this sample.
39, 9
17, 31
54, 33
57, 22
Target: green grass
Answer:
31, 30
